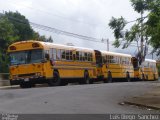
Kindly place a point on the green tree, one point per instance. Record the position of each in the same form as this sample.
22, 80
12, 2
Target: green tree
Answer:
49, 39
153, 25
7, 36
7, 33
21, 25
146, 29
15, 27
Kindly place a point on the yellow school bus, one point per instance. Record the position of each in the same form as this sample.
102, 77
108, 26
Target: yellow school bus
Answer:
146, 71
35, 62
116, 66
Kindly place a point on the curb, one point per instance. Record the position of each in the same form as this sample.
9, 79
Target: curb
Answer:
141, 105
8, 86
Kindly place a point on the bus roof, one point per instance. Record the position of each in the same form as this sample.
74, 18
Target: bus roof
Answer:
49, 45
65, 46
150, 60
117, 54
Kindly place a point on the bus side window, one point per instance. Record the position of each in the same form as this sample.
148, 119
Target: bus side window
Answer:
129, 61
80, 55
77, 55
50, 53
71, 55
112, 59
67, 55
54, 54
47, 54
83, 57
118, 60
63, 54
104, 59
58, 54
91, 57
86, 56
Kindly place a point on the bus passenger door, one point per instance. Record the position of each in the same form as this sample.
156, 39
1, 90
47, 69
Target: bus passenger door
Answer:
135, 64
99, 65
48, 65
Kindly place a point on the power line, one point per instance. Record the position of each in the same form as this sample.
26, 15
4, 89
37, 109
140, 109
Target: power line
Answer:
55, 15
57, 31
136, 19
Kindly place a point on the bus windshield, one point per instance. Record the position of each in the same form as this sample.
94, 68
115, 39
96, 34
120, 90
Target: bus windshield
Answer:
26, 57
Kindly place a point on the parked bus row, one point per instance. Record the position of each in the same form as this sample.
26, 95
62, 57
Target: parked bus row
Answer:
35, 62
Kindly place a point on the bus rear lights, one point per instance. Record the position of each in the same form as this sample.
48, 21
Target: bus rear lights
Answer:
35, 45
12, 48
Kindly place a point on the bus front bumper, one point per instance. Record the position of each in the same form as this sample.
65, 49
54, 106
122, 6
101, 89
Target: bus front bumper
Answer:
40, 80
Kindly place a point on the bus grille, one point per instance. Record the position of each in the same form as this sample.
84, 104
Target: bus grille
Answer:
26, 75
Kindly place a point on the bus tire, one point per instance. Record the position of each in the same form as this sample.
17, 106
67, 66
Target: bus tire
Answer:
105, 80
128, 77
146, 77
86, 79
25, 85
154, 77
56, 81
143, 77
64, 82
110, 80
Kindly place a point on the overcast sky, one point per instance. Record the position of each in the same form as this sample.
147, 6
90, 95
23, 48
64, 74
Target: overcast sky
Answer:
84, 17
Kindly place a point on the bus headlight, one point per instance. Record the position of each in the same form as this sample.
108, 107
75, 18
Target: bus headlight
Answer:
38, 74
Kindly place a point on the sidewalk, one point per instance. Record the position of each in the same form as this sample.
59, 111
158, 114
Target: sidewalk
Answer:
4, 83
149, 100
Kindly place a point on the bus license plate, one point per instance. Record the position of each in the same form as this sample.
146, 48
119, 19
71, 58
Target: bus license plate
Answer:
26, 79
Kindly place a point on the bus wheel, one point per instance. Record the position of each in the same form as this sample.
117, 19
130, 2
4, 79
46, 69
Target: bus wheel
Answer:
143, 77
146, 77
87, 79
25, 85
110, 77
154, 77
64, 83
56, 81
128, 77
105, 80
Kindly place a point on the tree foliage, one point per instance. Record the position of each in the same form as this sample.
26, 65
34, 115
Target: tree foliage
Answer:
146, 29
21, 25
15, 27
153, 24
7, 33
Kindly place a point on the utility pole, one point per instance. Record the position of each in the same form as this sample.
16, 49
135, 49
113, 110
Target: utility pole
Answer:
107, 44
107, 41
142, 49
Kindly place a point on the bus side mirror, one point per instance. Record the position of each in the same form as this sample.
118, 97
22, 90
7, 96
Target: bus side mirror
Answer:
47, 56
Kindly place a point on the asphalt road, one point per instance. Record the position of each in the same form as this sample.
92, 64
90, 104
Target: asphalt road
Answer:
75, 99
